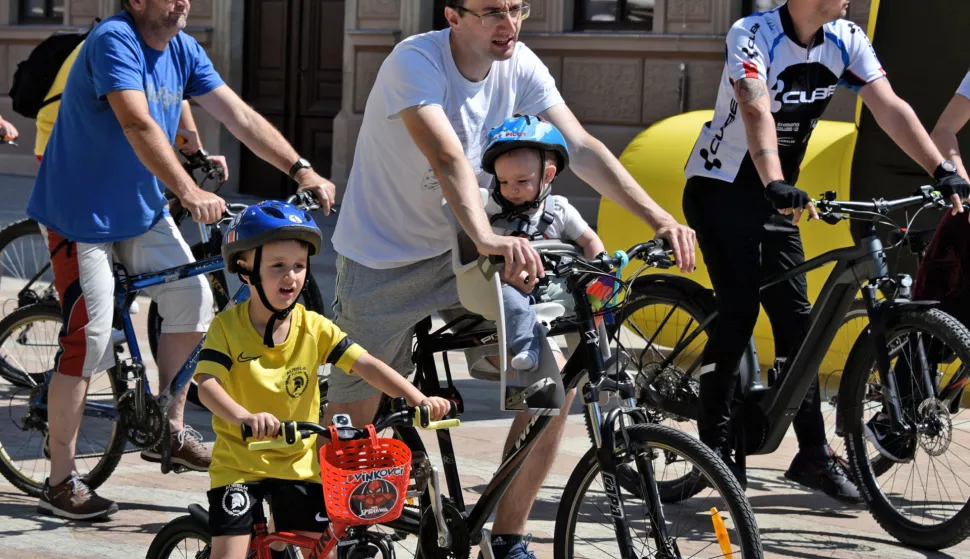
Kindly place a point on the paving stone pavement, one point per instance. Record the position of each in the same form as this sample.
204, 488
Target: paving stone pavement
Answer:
793, 522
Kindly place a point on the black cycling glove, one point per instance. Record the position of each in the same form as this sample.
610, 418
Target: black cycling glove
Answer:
784, 196
949, 182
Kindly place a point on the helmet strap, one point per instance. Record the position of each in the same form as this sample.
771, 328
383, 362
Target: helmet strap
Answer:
256, 282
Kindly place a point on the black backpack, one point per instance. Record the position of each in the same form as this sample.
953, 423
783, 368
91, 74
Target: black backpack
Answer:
35, 76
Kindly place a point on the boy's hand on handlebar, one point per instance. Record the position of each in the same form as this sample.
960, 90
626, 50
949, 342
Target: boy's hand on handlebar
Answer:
187, 141
323, 190
682, 240
205, 207
439, 407
264, 425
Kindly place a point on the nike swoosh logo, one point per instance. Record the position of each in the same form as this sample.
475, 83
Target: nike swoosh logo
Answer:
242, 359
319, 518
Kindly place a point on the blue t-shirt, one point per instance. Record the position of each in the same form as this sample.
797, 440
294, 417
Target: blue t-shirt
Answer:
91, 186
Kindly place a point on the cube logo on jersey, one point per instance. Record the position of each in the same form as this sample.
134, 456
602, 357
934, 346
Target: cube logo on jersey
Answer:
803, 88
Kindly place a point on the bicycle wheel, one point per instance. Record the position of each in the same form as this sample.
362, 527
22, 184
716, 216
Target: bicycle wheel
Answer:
23, 255
185, 537
29, 342
917, 340
585, 514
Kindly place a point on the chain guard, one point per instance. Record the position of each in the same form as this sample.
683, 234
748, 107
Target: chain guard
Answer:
460, 542
147, 433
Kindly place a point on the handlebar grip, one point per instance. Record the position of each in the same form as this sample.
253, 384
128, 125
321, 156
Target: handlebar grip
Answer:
265, 445
247, 431
421, 417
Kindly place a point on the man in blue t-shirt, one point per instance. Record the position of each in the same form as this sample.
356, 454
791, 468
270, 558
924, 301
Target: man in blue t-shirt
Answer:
99, 196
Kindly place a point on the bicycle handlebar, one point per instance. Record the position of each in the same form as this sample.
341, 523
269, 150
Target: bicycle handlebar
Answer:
832, 211
200, 160
293, 432
8, 141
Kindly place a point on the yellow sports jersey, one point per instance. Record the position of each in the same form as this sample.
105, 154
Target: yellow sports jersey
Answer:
281, 381
48, 114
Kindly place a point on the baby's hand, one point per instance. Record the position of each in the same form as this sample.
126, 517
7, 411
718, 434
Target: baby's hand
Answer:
264, 425
439, 407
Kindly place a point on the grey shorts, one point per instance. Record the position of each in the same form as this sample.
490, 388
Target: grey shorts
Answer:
378, 309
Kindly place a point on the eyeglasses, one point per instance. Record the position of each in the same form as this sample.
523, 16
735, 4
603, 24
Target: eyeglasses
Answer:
491, 19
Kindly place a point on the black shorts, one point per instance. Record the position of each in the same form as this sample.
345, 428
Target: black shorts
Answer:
296, 505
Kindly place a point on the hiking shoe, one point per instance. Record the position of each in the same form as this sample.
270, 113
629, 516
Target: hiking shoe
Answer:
824, 471
187, 451
73, 499
512, 546
898, 448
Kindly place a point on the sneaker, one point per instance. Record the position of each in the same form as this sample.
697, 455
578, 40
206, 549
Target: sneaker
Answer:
513, 546
187, 451
73, 499
824, 471
526, 361
898, 448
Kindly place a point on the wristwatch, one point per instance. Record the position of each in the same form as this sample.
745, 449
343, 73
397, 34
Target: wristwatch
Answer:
300, 164
944, 169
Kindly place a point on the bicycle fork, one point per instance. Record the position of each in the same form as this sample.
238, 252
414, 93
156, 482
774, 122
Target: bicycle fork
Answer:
609, 461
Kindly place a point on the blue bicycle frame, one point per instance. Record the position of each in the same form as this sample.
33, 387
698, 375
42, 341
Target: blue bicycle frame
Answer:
127, 285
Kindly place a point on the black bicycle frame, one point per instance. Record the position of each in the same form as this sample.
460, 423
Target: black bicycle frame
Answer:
865, 262
588, 358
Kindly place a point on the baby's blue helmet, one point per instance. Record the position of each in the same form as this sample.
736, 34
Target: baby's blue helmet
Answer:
522, 131
266, 222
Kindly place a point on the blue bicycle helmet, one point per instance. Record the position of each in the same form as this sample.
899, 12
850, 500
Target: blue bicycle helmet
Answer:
524, 131
264, 223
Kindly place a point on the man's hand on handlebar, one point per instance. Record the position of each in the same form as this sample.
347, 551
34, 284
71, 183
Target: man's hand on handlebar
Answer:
205, 207
187, 141
953, 186
220, 162
682, 240
519, 256
8, 132
323, 190
264, 425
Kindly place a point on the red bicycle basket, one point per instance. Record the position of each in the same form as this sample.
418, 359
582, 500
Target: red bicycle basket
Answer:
364, 481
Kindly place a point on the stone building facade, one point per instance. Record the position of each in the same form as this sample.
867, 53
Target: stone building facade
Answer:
309, 66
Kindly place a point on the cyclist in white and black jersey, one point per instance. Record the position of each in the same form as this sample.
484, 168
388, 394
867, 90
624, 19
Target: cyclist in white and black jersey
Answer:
782, 67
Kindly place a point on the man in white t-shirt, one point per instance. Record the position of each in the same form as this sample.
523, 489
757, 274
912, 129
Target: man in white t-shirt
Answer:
425, 123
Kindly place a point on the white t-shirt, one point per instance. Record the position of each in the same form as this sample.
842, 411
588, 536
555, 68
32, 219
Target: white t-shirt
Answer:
566, 224
391, 213
964, 88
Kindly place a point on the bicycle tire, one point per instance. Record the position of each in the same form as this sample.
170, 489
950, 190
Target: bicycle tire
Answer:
703, 458
857, 372
14, 231
697, 305
116, 443
174, 532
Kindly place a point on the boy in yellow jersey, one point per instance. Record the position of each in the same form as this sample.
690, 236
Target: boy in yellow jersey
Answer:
259, 366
